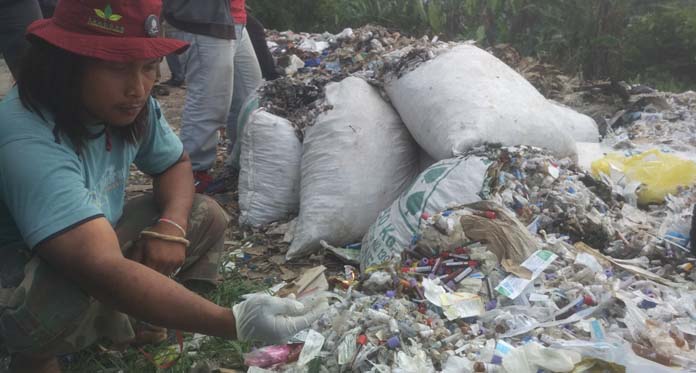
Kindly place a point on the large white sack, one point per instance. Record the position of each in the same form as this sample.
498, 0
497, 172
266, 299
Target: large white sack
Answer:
581, 127
466, 97
454, 181
269, 176
248, 107
357, 158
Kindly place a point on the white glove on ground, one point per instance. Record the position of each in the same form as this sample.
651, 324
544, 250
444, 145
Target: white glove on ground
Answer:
269, 319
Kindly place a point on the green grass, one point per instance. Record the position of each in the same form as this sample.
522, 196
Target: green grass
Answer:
224, 353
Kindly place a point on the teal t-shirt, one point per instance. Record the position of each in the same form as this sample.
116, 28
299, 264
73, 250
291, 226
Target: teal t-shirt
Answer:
46, 188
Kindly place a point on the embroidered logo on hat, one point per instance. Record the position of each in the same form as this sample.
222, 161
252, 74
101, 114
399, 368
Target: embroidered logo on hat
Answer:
107, 14
107, 21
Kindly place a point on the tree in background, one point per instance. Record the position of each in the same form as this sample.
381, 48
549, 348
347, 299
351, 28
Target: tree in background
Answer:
648, 40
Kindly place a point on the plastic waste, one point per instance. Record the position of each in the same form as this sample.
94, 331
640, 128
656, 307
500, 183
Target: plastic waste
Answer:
457, 364
660, 174
253, 369
347, 33
618, 292
412, 360
312, 346
512, 286
536, 357
295, 63
349, 345
309, 45
265, 357
589, 261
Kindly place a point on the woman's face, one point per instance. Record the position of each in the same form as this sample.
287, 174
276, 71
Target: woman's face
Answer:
116, 92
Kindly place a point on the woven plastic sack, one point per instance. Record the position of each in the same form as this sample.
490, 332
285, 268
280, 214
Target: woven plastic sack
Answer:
454, 181
466, 97
357, 159
269, 176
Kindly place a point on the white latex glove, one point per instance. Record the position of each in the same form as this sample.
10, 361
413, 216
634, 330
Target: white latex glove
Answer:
269, 319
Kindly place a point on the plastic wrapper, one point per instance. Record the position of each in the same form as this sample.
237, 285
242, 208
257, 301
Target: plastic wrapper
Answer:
456, 364
659, 173
413, 360
532, 356
347, 348
271, 355
312, 347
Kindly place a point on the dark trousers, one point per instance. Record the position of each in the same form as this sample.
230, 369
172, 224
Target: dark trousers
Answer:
15, 16
258, 39
175, 67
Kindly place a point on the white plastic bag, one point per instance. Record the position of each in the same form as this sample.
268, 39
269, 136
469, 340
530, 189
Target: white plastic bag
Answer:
615, 350
452, 181
269, 176
357, 158
530, 357
466, 97
458, 364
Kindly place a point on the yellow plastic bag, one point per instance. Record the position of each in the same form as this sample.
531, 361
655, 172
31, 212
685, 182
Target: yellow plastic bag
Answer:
661, 174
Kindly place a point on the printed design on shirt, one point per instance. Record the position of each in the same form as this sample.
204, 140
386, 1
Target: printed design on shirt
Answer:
105, 20
99, 192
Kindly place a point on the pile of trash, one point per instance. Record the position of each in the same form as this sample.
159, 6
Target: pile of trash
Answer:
484, 228
581, 311
663, 120
310, 61
497, 286
365, 51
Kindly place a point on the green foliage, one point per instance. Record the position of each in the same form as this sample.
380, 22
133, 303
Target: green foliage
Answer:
663, 47
227, 353
617, 39
223, 352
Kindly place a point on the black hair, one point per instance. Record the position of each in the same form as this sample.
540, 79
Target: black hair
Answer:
50, 80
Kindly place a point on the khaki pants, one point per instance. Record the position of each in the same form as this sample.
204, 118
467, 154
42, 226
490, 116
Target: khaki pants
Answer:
46, 313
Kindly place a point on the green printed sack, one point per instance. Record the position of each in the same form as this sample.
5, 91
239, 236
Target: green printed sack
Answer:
450, 182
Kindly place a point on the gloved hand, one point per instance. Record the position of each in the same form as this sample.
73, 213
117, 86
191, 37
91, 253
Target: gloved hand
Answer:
269, 319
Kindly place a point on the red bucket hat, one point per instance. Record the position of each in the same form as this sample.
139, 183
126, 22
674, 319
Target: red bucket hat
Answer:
116, 30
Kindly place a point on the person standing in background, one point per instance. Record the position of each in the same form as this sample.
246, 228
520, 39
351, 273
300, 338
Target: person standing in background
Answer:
257, 34
178, 75
221, 71
15, 16
48, 7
